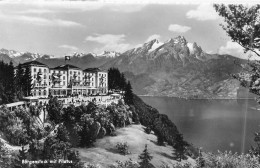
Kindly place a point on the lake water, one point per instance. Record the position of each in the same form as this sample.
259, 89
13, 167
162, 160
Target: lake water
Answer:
213, 125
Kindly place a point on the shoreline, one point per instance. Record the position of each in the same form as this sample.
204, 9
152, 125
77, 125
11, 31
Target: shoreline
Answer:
187, 98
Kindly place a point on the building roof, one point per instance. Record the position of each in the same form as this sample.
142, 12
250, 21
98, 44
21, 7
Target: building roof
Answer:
31, 63
66, 67
93, 70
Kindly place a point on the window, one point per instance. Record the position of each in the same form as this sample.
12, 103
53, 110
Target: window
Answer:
45, 70
78, 72
40, 70
70, 72
64, 83
63, 77
34, 69
44, 77
44, 93
34, 76
39, 93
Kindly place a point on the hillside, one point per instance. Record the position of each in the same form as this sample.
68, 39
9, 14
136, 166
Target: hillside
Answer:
104, 153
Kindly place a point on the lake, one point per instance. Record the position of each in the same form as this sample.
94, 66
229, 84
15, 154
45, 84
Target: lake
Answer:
212, 124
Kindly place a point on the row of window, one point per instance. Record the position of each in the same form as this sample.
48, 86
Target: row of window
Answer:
40, 93
40, 70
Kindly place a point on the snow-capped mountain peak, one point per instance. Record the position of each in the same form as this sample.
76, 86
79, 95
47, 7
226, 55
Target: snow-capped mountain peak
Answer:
110, 54
11, 53
156, 43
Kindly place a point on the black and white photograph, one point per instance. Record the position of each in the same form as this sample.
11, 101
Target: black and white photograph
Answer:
129, 84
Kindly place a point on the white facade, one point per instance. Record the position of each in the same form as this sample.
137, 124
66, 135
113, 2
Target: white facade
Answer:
66, 80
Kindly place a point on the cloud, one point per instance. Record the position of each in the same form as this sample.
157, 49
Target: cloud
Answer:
178, 28
234, 49
126, 8
152, 37
40, 21
68, 47
203, 12
35, 11
109, 42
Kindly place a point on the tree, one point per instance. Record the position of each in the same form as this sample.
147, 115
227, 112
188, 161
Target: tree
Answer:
54, 109
27, 79
145, 158
242, 25
21, 156
180, 147
7, 89
128, 97
19, 82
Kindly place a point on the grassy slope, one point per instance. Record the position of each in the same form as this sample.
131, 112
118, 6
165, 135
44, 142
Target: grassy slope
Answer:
105, 153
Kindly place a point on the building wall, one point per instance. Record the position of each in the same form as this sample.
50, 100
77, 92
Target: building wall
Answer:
40, 81
102, 82
63, 78
76, 74
92, 81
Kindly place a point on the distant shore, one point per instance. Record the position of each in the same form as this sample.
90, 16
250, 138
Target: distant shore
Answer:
192, 98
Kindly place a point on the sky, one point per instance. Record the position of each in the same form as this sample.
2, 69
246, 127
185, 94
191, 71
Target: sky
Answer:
63, 27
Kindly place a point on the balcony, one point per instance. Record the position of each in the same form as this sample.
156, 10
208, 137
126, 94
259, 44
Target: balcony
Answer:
57, 80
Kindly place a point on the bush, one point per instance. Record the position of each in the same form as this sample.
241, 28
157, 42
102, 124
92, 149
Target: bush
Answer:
122, 148
89, 165
147, 130
128, 164
229, 160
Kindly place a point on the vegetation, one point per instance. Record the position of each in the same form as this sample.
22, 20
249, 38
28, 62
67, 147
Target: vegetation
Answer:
179, 146
163, 127
127, 164
7, 90
117, 82
14, 86
122, 148
145, 158
242, 25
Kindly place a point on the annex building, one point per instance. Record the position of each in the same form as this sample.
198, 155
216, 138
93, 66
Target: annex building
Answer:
66, 80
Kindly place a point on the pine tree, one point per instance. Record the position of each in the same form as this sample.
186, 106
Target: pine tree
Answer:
145, 158
21, 156
19, 82
10, 91
7, 90
180, 147
122, 83
128, 97
27, 78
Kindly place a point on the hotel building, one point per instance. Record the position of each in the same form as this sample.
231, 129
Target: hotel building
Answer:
66, 80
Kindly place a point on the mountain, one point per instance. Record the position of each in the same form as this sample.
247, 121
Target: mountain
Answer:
5, 58
110, 54
83, 61
178, 68
21, 57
